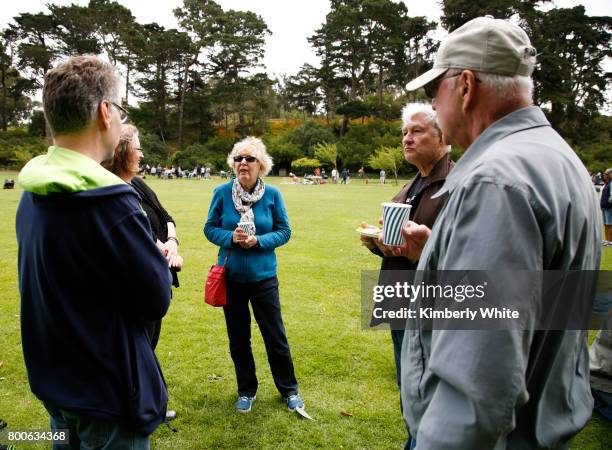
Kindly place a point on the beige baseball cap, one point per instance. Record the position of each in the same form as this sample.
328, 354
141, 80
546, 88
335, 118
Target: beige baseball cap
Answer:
484, 44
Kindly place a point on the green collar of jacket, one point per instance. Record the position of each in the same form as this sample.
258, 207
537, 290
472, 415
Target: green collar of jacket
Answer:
64, 171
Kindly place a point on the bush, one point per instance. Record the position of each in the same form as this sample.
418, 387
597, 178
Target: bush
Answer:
37, 126
309, 134
153, 148
282, 149
213, 154
361, 141
17, 147
305, 163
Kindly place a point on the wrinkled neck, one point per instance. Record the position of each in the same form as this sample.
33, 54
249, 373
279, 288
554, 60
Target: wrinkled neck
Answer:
248, 187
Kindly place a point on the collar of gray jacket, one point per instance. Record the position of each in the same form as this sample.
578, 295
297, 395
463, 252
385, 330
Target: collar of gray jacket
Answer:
519, 120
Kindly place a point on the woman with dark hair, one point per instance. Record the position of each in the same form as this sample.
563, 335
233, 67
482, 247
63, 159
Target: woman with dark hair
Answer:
125, 164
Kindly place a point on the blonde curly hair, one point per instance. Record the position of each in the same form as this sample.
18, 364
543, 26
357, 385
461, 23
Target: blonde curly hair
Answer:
254, 147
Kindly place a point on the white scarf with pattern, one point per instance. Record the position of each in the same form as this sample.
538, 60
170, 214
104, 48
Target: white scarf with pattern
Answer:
244, 201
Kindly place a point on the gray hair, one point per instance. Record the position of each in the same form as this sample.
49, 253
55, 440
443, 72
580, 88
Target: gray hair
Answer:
256, 148
507, 87
73, 91
412, 109
503, 86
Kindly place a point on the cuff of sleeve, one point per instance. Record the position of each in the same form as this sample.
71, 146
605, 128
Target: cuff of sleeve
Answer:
261, 243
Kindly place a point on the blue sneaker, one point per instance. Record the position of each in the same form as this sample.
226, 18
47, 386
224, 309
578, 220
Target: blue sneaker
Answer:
294, 401
244, 403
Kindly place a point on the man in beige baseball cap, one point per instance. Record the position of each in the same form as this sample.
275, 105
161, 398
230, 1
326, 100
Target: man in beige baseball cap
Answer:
519, 200
484, 44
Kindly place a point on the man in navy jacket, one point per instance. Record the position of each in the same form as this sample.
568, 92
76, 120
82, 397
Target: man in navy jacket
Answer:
89, 271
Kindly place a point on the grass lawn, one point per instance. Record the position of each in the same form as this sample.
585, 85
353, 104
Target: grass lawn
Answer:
340, 367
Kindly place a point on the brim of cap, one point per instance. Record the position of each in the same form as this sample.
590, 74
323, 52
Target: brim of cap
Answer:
425, 78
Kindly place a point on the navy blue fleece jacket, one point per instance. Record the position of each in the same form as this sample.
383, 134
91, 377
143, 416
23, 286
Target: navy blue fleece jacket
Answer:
89, 274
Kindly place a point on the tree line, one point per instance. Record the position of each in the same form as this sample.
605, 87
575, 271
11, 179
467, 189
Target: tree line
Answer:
196, 89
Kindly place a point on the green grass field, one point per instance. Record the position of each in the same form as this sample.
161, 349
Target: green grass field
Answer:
340, 367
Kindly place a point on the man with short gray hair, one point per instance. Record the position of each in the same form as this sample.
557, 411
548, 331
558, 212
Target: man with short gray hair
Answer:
519, 200
89, 271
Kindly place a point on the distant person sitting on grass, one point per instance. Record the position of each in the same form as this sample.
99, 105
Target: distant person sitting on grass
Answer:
251, 275
90, 274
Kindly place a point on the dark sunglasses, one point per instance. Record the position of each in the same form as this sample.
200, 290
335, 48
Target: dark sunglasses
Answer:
249, 159
431, 89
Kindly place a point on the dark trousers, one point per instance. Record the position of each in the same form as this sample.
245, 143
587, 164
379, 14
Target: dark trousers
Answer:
263, 296
90, 433
397, 336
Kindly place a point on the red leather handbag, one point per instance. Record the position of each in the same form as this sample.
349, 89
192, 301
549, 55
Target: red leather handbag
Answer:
214, 289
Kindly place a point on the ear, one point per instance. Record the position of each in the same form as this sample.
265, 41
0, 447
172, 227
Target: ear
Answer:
104, 115
468, 84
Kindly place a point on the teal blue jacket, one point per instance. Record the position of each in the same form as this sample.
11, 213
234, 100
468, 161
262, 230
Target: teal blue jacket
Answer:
272, 230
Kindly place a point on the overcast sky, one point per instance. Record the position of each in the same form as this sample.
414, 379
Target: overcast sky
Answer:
291, 21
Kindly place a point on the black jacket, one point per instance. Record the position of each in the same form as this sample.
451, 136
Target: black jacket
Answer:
157, 215
158, 218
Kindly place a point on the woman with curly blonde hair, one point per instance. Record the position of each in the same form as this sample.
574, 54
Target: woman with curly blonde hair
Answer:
247, 220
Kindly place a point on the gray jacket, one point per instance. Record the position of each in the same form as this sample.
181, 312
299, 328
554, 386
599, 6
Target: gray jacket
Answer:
519, 199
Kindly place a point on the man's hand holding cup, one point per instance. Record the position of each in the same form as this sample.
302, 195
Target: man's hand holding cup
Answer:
415, 237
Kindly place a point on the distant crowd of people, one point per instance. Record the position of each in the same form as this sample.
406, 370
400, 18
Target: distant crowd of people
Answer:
198, 172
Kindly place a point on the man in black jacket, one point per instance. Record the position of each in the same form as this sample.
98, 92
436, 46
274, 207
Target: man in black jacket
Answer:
89, 272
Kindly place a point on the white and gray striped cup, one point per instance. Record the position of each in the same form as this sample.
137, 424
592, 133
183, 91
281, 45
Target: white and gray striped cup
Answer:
246, 227
395, 216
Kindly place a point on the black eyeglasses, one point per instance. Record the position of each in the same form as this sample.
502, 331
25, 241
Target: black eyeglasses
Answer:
249, 159
123, 113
